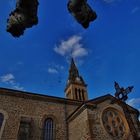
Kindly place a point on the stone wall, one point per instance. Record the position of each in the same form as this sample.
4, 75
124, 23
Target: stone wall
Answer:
38, 111
83, 124
79, 127
97, 129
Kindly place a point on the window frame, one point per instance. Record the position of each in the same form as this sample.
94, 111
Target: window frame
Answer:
5, 115
53, 128
121, 115
25, 120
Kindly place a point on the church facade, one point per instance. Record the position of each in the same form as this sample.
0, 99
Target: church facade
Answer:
29, 116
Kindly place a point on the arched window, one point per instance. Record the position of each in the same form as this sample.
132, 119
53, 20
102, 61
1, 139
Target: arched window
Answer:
1, 119
49, 129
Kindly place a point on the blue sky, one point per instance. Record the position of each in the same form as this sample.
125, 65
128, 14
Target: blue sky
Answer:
108, 51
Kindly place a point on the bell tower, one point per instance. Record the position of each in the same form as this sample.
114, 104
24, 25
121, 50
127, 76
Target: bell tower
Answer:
76, 88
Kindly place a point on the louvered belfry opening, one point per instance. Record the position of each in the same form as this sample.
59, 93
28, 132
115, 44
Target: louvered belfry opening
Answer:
76, 88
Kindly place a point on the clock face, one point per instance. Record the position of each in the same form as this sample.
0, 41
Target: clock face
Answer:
114, 124
78, 79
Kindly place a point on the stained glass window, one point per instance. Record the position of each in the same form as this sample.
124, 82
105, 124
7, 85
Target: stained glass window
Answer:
114, 123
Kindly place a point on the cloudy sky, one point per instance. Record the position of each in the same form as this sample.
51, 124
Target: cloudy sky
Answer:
108, 51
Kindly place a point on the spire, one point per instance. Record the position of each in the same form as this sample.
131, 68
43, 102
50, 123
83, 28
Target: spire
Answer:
74, 76
73, 71
73, 64
75, 87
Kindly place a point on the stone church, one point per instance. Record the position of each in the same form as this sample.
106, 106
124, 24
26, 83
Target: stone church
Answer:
30, 116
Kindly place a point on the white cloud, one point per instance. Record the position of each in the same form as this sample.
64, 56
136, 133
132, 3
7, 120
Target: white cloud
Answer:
79, 52
61, 67
134, 101
18, 87
20, 63
55, 68
71, 47
11, 81
8, 78
134, 10
58, 67
52, 71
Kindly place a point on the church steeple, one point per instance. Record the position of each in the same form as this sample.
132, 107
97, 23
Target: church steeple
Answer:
75, 87
73, 71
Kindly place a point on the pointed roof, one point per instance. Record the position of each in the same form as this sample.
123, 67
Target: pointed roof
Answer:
73, 64
73, 71
74, 77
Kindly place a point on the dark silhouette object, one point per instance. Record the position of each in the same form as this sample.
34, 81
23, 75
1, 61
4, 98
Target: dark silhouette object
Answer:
82, 12
122, 93
24, 16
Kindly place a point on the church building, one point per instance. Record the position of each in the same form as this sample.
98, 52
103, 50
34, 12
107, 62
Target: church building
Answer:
31, 116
